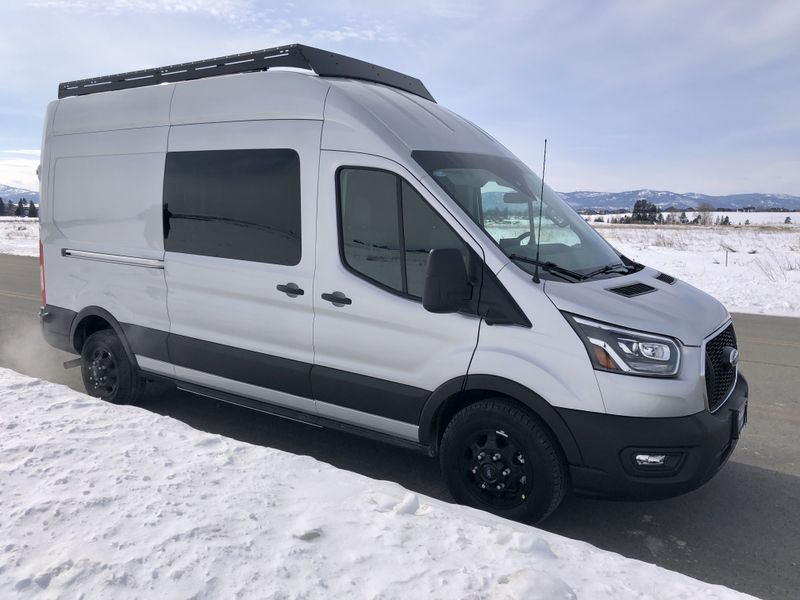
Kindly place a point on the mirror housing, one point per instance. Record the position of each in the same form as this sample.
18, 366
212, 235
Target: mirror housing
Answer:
447, 288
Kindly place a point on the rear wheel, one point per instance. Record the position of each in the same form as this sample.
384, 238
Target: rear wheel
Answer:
107, 372
495, 456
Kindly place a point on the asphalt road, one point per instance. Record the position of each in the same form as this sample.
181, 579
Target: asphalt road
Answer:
742, 529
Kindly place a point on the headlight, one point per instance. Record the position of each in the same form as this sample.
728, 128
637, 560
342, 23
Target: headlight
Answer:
625, 351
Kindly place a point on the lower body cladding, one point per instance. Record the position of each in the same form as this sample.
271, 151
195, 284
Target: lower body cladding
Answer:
652, 458
675, 454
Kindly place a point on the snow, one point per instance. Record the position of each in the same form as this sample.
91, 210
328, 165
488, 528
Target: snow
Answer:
760, 274
103, 501
19, 235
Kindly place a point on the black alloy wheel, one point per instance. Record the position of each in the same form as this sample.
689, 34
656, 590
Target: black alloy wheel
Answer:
107, 371
497, 456
495, 465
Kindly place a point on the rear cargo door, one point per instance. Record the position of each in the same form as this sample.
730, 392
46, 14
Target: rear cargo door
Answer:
239, 214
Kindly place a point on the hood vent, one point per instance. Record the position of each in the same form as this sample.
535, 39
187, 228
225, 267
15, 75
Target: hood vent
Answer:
665, 278
634, 289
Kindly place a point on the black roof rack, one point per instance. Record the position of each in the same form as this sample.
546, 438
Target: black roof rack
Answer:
323, 63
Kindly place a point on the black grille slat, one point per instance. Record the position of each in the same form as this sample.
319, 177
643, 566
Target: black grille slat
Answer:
720, 377
665, 278
634, 289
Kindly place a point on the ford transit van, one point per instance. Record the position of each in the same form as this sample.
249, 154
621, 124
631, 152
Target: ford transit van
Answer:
313, 236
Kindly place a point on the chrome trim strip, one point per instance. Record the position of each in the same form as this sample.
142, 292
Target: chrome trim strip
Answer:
339, 413
120, 259
369, 421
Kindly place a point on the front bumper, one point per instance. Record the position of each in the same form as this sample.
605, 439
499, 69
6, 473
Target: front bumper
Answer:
702, 442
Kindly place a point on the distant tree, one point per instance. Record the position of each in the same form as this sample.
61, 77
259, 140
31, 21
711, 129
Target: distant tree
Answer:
660, 218
20, 211
671, 220
726, 220
599, 220
698, 219
747, 221
2, 208
718, 220
787, 221
683, 218
644, 212
33, 211
704, 211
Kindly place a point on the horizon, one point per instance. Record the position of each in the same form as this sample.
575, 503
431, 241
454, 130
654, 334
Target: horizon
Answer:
658, 95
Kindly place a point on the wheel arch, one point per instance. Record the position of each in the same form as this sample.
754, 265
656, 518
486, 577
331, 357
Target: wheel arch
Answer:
460, 392
92, 319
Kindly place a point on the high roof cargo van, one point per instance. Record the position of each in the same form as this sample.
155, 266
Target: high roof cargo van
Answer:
325, 242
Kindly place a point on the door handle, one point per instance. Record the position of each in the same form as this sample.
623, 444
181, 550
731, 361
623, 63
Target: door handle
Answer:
290, 289
337, 299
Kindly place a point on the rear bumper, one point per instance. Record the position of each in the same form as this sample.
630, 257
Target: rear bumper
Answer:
699, 445
56, 326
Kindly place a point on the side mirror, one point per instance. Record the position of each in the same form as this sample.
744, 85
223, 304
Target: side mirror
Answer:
447, 288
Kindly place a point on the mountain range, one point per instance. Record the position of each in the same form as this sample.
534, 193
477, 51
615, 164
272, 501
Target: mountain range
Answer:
588, 201
594, 201
13, 194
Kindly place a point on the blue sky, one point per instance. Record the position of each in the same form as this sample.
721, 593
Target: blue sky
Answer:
700, 96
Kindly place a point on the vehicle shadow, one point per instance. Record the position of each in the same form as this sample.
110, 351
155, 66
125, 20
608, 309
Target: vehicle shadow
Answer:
740, 530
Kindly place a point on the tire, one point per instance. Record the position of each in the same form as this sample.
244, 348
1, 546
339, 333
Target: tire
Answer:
107, 372
521, 474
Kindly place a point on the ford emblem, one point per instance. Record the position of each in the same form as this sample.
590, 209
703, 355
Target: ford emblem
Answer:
730, 356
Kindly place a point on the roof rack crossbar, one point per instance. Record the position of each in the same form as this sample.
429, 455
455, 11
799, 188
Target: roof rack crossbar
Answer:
322, 62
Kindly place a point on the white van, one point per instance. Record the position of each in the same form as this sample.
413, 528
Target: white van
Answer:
336, 247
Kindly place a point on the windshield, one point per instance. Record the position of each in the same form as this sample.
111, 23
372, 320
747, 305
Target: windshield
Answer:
503, 196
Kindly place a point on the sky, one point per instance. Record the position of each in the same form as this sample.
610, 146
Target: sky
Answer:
682, 95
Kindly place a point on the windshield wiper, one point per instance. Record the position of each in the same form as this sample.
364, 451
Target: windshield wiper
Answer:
611, 269
548, 266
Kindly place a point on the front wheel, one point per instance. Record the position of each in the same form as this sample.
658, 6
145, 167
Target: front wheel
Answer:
107, 372
495, 456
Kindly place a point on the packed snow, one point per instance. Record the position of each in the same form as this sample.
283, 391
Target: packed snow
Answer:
103, 501
19, 235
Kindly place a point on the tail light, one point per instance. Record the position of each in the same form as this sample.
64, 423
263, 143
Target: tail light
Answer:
41, 273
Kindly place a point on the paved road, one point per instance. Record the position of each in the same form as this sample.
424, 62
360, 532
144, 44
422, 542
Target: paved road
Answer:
741, 530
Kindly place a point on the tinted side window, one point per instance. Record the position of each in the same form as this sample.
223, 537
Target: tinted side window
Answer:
424, 231
240, 204
368, 204
380, 245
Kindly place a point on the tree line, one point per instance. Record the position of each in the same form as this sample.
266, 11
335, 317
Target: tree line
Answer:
645, 212
23, 208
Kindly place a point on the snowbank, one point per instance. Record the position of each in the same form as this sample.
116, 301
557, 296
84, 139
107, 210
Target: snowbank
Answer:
101, 501
19, 235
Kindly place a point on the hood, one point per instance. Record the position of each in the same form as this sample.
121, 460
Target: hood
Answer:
674, 309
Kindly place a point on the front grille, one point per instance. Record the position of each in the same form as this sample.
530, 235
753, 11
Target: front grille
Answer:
720, 376
633, 289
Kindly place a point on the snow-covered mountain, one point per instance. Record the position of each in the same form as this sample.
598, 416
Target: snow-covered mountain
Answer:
666, 199
13, 194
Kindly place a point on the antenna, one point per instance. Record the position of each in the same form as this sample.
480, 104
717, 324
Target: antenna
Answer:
539, 228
